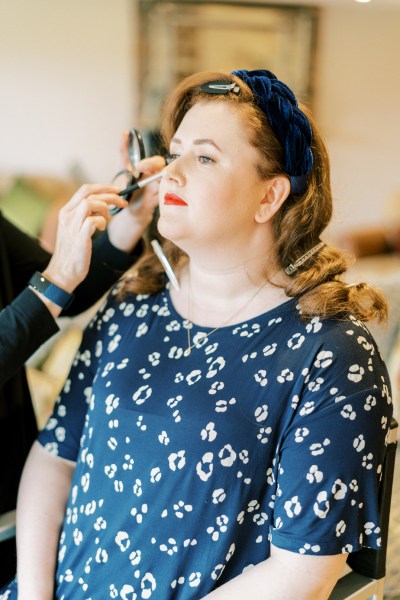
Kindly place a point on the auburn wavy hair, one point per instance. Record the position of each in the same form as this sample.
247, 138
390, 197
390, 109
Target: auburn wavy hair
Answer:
297, 226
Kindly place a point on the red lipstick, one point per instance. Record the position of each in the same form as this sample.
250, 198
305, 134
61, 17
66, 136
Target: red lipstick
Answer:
174, 200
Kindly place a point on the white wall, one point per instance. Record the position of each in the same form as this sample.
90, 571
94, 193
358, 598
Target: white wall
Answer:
358, 110
67, 74
66, 84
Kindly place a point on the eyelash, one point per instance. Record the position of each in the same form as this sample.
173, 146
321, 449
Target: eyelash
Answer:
205, 160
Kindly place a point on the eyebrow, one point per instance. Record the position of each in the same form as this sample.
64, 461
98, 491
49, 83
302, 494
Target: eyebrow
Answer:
199, 142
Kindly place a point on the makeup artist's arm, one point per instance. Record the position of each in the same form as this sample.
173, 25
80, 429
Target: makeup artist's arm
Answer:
85, 213
115, 250
27, 320
121, 244
285, 575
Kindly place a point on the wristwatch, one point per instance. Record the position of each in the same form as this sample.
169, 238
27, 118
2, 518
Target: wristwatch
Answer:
50, 290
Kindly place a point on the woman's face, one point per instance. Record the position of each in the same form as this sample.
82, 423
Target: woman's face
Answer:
211, 191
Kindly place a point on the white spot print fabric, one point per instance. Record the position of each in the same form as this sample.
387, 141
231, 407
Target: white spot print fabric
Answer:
187, 469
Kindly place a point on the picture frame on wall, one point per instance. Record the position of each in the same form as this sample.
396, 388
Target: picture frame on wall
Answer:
180, 37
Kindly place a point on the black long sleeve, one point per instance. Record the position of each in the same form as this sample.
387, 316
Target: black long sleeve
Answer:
25, 322
24, 326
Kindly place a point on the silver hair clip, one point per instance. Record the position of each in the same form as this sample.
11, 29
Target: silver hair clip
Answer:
292, 268
220, 87
165, 263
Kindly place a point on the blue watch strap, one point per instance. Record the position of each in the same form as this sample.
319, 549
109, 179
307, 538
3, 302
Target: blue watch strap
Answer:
50, 290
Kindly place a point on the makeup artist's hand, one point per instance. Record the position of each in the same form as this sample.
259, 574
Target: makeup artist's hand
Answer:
127, 227
86, 212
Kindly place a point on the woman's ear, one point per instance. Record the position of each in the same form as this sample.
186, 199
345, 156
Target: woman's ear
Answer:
276, 192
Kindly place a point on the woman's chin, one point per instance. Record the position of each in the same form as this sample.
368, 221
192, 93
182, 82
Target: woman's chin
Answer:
170, 230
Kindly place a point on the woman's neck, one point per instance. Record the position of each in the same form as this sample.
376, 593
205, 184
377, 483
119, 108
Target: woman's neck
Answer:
209, 295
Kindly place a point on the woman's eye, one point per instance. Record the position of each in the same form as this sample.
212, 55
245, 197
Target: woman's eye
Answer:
206, 160
171, 157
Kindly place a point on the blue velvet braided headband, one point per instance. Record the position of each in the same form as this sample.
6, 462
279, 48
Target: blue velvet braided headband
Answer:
289, 123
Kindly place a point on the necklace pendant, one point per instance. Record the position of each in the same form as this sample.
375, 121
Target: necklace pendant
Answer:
187, 352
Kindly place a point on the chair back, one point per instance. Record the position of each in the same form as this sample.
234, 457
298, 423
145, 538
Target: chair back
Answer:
364, 577
369, 562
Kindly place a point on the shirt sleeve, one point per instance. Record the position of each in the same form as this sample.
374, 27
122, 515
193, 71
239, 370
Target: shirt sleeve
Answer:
331, 457
24, 256
62, 433
25, 325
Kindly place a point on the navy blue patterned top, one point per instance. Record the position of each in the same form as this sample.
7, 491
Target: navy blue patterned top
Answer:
188, 468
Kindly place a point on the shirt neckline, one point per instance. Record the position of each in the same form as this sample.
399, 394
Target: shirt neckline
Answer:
267, 315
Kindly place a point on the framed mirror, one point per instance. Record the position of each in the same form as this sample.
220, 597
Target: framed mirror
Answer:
184, 36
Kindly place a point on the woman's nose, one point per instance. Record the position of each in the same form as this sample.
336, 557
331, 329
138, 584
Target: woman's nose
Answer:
175, 172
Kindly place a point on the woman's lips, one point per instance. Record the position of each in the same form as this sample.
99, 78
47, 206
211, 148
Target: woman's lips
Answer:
174, 200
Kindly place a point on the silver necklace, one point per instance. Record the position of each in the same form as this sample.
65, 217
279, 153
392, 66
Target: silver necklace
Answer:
198, 343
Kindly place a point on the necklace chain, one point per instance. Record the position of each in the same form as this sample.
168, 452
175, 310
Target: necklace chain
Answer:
189, 325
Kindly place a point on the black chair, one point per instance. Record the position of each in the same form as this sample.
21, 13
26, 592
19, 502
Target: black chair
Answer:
364, 577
